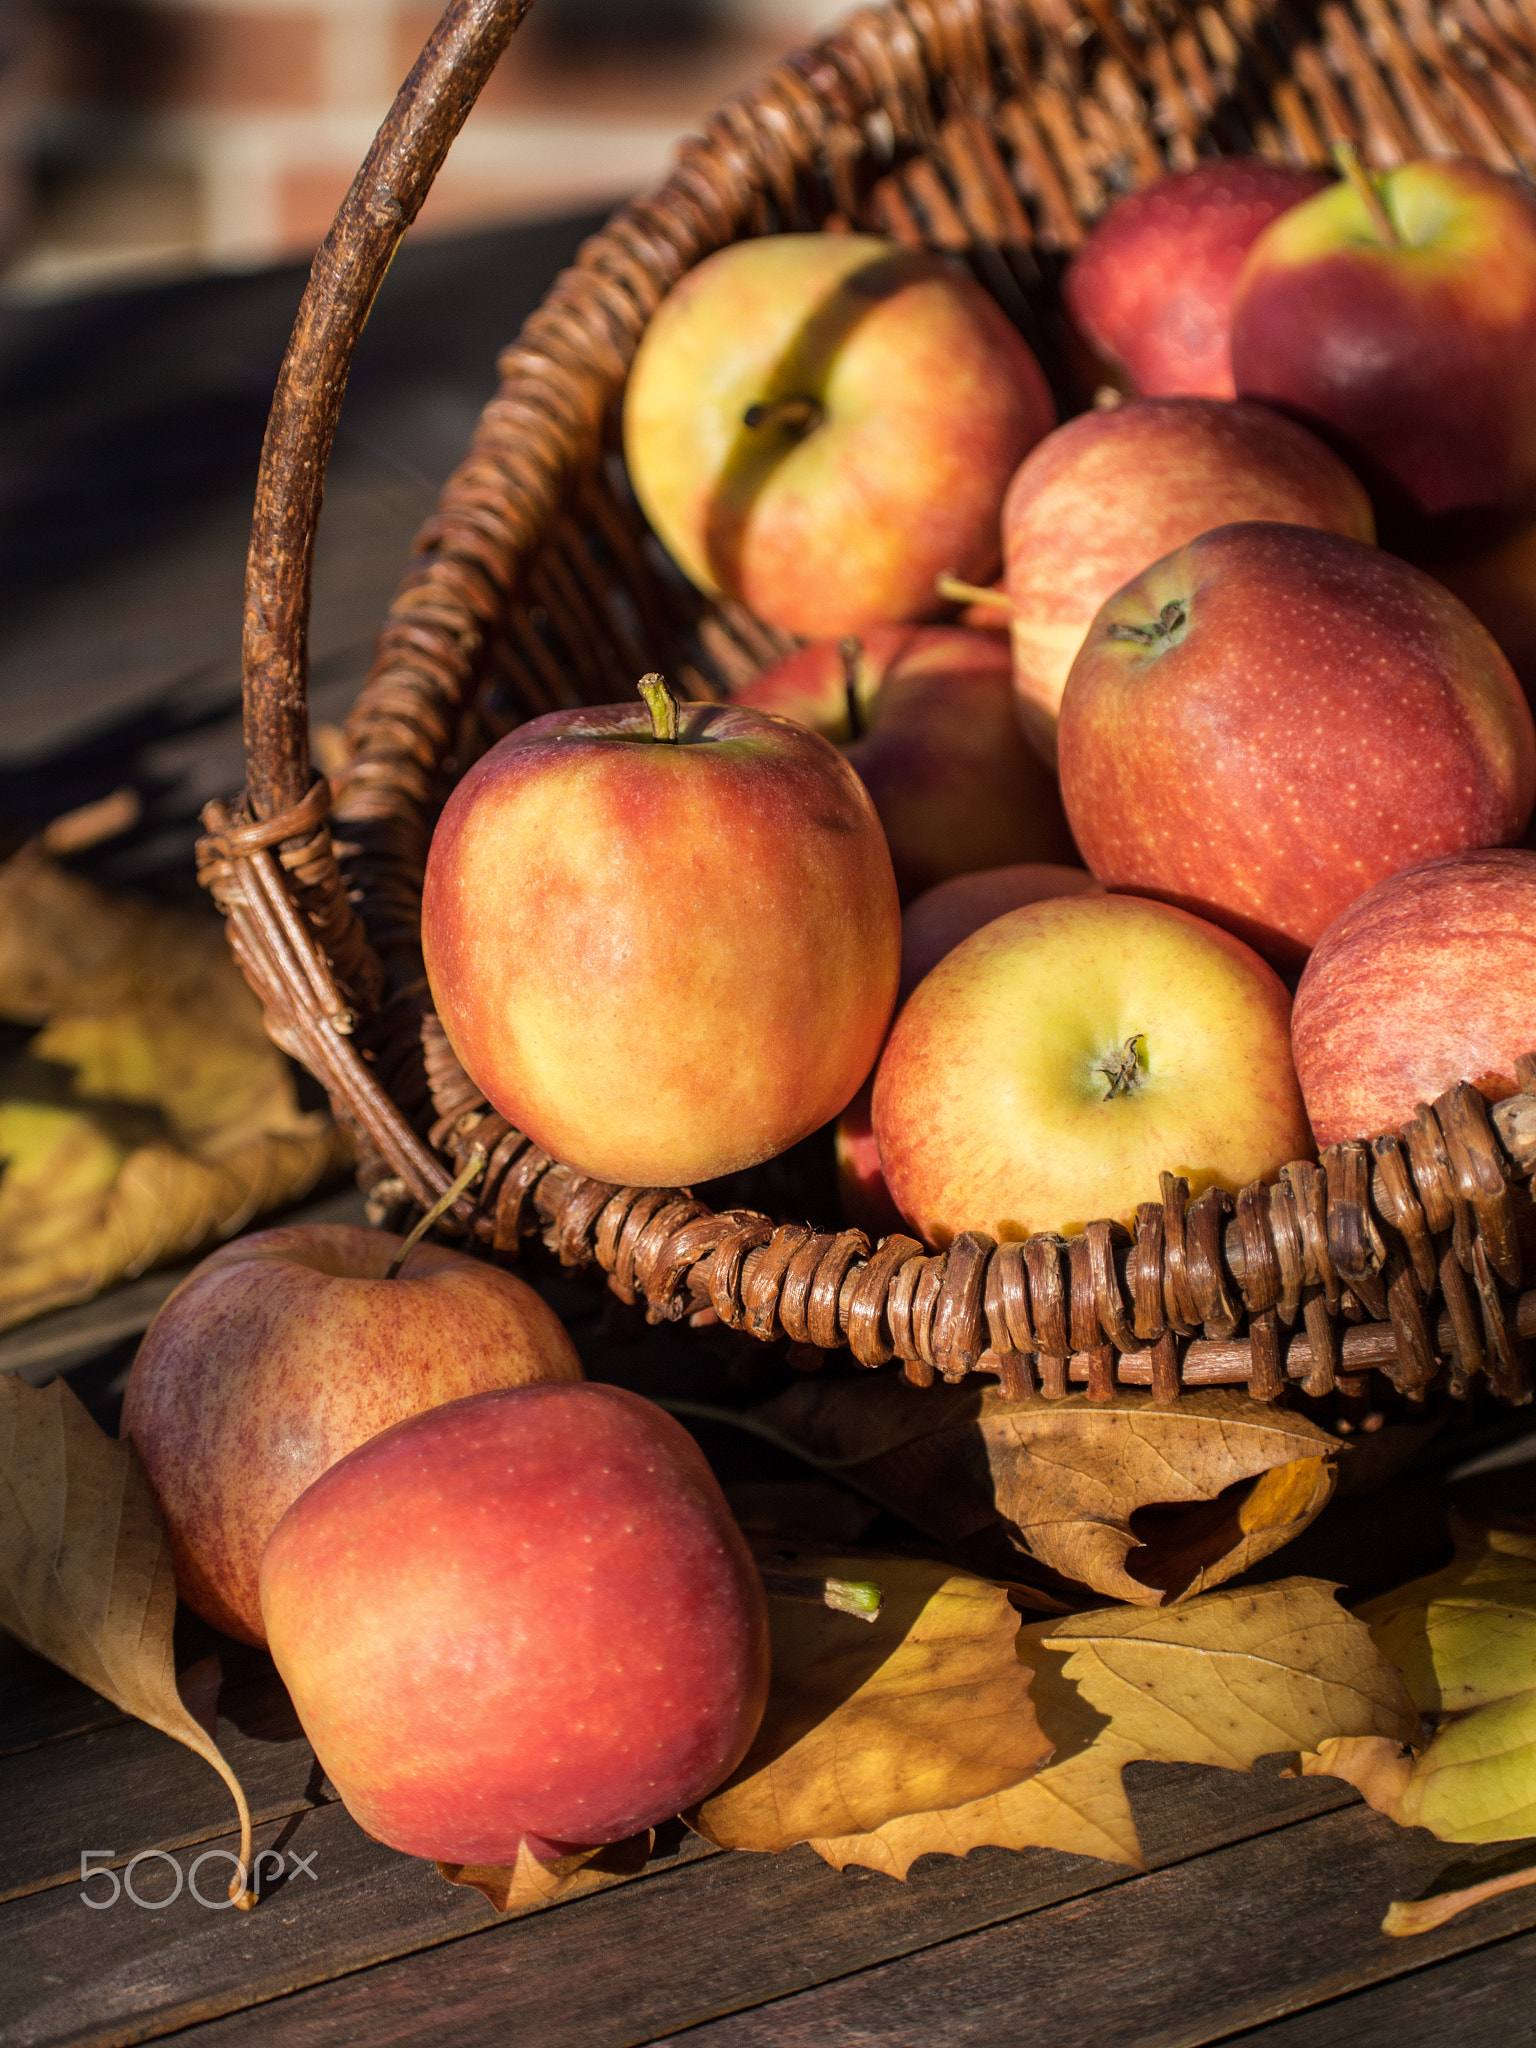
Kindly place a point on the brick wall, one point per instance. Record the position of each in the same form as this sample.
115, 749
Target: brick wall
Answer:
259, 111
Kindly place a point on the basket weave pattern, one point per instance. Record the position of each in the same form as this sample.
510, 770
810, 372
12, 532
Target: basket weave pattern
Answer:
993, 130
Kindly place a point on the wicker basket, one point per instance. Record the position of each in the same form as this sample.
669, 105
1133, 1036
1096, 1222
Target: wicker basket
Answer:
992, 129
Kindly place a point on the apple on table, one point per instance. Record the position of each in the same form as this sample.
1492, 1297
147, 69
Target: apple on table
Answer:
820, 425
285, 1350
924, 714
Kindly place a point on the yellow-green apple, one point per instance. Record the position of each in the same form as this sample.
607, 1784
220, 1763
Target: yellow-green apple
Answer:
522, 1617
819, 425
1113, 490
1150, 291
1397, 314
287, 1349
1426, 980
1053, 1064
1271, 719
931, 927
925, 715
664, 943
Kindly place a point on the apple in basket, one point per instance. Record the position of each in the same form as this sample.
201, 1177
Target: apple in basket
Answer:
287, 1349
1397, 314
1053, 1064
819, 425
1113, 490
1426, 980
522, 1616
925, 715
1272, 719
1150, 291
663, 941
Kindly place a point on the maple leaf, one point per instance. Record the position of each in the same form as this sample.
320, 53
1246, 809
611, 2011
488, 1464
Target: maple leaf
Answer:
86, 1578
1232, 1479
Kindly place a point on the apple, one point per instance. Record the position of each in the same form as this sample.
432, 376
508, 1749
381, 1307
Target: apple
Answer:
287, 1349
819, 425
1272, 719
1113, 490
925, 717
931, 927
1427, 979
664, 943
1397, 314
1150, 291
524, 1616
1053, 1064
1494, 575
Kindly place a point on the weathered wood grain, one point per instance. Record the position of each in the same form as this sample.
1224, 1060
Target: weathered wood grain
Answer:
1487, 1995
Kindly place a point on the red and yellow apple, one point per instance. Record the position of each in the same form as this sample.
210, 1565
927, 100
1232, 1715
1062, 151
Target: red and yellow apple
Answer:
1053, 1064
1397, 314
1272, 719
925, 716
1426, 980
664, 958
284, 1351
1150, 291
522, 1617
819, 425
1112, 491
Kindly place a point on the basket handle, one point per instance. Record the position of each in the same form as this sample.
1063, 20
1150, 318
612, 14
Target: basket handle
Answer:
386, 195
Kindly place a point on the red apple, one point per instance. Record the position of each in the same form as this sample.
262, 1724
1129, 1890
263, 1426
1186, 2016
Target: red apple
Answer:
664, 959
1426, 980
862, 1195
526, 1616
287, 1349
1114, 490
1060, 1058
925, 716
1399, 317
1151, 288
819, 425
1272, 719
1496, 579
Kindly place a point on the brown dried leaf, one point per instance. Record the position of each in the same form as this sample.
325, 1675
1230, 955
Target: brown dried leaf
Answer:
924, 1707
1231, 1479
85, 1567
1223, 1679
530, 1883
1422, 1916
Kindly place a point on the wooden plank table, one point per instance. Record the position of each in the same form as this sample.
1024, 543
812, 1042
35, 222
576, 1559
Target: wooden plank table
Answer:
123, 497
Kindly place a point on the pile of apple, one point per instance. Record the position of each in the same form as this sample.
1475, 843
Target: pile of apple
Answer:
1205, 735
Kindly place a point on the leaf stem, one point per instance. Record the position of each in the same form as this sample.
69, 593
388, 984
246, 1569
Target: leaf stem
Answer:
440, 1207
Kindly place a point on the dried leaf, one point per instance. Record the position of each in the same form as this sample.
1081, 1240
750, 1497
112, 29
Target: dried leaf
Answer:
1230, 1479
1422, 1916
519, 1887
926, 1706
1465, 1641
85, 1567
1223, 1679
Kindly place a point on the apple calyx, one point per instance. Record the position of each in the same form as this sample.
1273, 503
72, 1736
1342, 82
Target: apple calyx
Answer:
1123, 1069
1347, 157
440, 1207
662, 705
1170, 621
799, 414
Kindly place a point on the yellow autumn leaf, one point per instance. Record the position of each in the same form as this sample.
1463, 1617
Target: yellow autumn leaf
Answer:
1222, 1679
86, 1578
867, 1721
1465, 1641
1233, 1479
531, 1882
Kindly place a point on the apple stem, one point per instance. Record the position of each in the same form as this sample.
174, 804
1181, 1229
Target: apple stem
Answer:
1122, 1069
440, 1207
958, 591
802, 415
662, 705
861, 1598
1347, 157
850, 647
